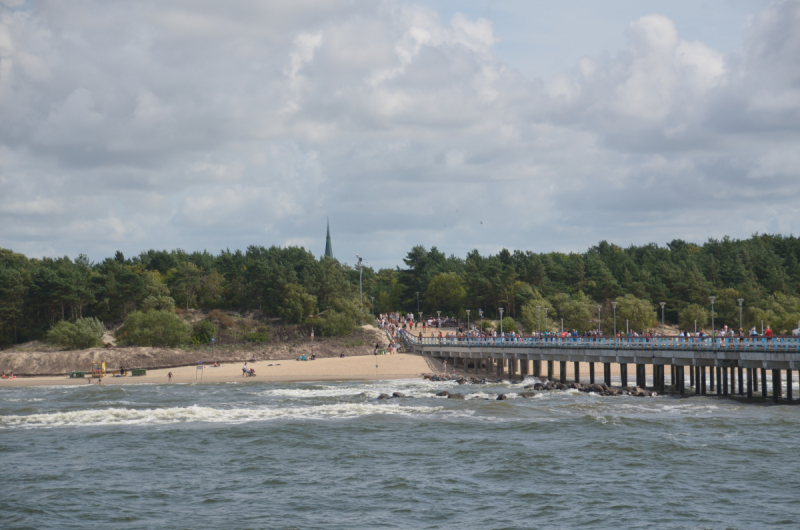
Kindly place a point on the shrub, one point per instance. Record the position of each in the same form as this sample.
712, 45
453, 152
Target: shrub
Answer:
257, 336
204, 331
81, 334
509, 325
159, 303
153, 328
487, 324
221, 318
333, 324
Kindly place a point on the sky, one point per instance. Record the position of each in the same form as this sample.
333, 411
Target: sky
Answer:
541, 126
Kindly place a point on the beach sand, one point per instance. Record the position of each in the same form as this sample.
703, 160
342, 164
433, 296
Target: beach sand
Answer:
362, 367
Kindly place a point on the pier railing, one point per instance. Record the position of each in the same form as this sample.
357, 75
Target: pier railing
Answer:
781, 344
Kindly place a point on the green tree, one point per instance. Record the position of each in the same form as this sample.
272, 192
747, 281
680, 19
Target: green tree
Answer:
297, 304
445, 293
639, 313
693, 314
79, 335
155, 329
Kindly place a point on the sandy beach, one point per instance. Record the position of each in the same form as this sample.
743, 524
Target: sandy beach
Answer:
362, 367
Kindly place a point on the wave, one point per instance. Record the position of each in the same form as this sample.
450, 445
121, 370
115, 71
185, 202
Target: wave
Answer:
163, 416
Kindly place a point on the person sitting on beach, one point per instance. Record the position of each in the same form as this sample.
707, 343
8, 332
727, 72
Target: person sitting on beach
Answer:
216, 364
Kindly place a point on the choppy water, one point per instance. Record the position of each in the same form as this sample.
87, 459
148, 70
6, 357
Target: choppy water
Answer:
260, 455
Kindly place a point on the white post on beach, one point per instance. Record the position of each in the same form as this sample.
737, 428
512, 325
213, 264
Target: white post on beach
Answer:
200, 371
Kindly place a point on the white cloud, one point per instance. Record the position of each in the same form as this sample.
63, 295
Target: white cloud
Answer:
208, 125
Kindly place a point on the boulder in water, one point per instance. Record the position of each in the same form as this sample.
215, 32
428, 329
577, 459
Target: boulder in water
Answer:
455, 395
384, 396
398, 395
443, 393
501, 397
527, 394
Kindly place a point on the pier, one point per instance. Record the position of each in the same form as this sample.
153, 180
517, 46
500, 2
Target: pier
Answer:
722, 366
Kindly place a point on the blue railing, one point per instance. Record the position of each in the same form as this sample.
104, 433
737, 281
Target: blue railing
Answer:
788, 344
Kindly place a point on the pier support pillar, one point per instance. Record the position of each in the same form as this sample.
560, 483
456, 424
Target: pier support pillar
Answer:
754, 375
537, 368
703, 380
681, 378
718, 385
562, 372
776, 385
499, 367
696, 379
691, 377
529, 368
591, 373
750, 383
607, 374
764, 383
789, 385
623, 373
489, 366
550, 370
741, 380
672, 376
576, 368
724, 380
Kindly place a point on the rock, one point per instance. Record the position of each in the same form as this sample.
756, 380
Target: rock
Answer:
527, 394
462, 381
398, 395
501, 397
560, 386
638, 390
444, 393
527, 387
538, 386
455, 395
384, 396
426, 376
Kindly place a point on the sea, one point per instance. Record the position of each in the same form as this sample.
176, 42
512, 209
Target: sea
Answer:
254, 455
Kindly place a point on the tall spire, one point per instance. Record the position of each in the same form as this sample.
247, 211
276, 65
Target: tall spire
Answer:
328, 246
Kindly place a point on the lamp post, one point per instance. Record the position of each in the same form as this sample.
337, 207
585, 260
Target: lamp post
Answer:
439, 319
360, 267
545, 320
713, 331
420, 316
614, 305
740, 300
562, 326
417, 301
539, 319
468, 310
372, 305
599, 327
627, 330
480, 314
501, 321
662, 317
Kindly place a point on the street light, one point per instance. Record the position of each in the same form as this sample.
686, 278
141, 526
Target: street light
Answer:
713, 331
420, 317
614, 305
480, 314
599, 327
539, 318
501, 321
740, 300
417, 301
545, 320
468, 310
662, 316
372, 305
562, 326
360, 267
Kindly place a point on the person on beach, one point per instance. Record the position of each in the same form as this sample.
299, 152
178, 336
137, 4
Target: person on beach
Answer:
444, 367
169, 377
244, 370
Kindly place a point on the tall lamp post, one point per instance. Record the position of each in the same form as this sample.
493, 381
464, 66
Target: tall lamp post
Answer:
417, 301
501, 321
662, 317
545, 320
713, 331
740, 300
420, 316
614, 305
372, 305
360, 267
599, 327
562, 326
480, 314
468, 310
439, 319
539, 318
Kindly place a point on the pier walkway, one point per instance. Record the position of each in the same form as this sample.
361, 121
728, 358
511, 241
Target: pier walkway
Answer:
722, 365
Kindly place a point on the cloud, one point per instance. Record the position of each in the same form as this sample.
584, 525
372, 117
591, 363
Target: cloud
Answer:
215, 125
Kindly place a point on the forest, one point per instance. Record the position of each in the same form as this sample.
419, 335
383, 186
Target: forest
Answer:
290, 286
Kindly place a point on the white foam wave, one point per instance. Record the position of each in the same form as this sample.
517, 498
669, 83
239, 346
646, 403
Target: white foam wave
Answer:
161, 416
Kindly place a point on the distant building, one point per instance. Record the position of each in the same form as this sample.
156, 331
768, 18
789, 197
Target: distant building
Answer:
328, 246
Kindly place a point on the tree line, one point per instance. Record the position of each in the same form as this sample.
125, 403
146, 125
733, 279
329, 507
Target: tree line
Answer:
763, 270
291, 284
287, 283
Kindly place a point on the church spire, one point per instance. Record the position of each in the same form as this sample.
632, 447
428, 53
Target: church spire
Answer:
328, 247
